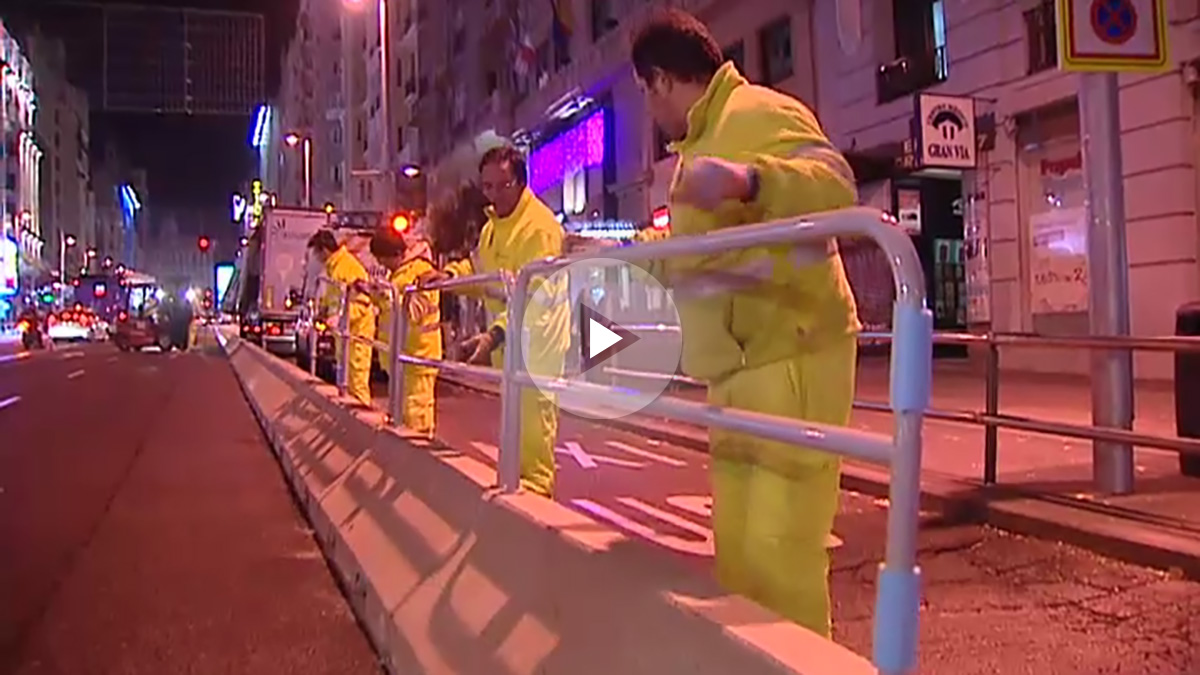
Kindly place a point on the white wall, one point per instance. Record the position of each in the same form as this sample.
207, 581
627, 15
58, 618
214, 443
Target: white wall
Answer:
987, 55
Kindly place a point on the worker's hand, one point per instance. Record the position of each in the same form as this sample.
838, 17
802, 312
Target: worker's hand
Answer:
479, 349
361, 286
432, 277
707, 182
419, 307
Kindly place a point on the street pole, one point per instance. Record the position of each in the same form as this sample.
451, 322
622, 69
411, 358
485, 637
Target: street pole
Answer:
385, 98
1108, 277
308, 172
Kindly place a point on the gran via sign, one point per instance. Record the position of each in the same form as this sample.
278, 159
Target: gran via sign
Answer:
945, 131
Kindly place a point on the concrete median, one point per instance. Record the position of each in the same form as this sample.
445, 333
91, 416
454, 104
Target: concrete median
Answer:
449, 576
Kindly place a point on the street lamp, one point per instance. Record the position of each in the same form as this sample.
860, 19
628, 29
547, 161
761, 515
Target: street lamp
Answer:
384, 82
64, 241
293, 140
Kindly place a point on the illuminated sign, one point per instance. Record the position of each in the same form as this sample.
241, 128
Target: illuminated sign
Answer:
224, 276
8, 266
661, 218
262, 118
239, 207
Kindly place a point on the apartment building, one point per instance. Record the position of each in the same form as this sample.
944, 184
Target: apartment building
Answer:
67, 203
21, 237
1004, 236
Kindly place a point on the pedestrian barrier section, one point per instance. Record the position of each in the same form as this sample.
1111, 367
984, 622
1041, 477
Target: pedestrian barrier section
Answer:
681, 638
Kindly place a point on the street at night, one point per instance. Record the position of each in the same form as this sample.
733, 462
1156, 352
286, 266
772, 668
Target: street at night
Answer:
146, 525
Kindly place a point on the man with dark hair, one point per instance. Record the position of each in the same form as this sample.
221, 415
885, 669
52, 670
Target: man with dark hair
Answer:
407, 257
341, 266
520, 229
779, 335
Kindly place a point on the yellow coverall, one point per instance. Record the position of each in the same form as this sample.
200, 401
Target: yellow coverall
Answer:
529, 233
424, 341
786, 346
344, 268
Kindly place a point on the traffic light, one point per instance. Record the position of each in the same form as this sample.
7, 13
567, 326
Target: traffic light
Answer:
204, 243
400, 223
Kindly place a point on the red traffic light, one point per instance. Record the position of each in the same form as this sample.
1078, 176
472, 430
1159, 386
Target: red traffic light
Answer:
400, 223
204, 243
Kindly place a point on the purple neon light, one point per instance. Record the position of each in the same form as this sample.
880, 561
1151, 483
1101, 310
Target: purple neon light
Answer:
580, 147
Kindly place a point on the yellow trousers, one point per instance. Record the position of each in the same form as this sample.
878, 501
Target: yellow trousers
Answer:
420, 385
358, 365
539, 431
774, 504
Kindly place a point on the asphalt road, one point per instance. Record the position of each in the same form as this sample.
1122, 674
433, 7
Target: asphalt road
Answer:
146, 527
993, 602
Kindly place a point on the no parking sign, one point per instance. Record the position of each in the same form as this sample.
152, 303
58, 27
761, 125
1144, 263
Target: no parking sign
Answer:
1112, 35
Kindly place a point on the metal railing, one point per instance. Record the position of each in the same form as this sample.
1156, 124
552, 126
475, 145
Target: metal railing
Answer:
898, 590
990, 417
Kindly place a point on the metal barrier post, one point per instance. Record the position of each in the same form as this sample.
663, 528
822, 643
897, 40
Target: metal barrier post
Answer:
343, 335
991, 433
509, 461
399, 332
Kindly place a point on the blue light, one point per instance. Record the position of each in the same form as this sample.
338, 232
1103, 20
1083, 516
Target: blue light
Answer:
259, 137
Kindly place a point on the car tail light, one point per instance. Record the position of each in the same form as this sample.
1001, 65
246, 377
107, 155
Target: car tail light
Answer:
257, 329
122, 316
23, 326
274, 329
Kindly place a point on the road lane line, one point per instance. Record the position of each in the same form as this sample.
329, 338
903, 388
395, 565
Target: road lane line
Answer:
12, 400
112, 359
21, 356
76, 374
704, 547
646, 454
72, 355
577, 453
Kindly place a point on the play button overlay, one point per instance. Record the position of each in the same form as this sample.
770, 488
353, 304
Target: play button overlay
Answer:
600, 338
602, 322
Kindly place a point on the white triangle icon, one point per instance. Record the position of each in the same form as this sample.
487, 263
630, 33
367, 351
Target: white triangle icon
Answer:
600, 337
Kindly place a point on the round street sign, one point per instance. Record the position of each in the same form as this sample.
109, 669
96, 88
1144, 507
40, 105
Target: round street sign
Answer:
1114, 21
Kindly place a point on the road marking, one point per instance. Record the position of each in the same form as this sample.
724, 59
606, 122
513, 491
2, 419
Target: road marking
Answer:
12, 400
646, 454
21, 356
112, 359
72, 355
702, 548
624, 463
76, 374
578, 454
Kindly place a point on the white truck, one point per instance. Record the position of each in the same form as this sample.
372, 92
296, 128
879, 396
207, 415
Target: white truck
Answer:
272, 276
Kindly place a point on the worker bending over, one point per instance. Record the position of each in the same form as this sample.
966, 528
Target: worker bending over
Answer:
520, 229
407, 259
341, 266
780, 338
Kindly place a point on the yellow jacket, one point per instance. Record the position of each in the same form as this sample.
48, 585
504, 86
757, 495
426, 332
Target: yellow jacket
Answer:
531, 232
344, 268
424, 334
803, 296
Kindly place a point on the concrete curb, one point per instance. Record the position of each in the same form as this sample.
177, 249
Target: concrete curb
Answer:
448, 576
1089, 526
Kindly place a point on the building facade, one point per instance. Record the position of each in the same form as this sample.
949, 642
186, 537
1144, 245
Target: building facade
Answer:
22, 242
67, 217
1005, 240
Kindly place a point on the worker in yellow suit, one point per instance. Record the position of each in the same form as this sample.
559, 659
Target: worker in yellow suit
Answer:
407, 259
341, 266
520, 229
778, 334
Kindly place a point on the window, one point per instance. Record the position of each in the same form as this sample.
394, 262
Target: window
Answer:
602, 18
775, 43
736, 52
1041, 38
919, 30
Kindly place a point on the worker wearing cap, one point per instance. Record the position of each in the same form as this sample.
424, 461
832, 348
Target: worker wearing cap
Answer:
407, 258
341, 266
520, 229
772, 330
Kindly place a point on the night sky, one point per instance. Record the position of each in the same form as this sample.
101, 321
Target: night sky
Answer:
193, 163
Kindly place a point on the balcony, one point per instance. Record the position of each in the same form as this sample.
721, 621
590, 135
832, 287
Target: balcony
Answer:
909, 74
